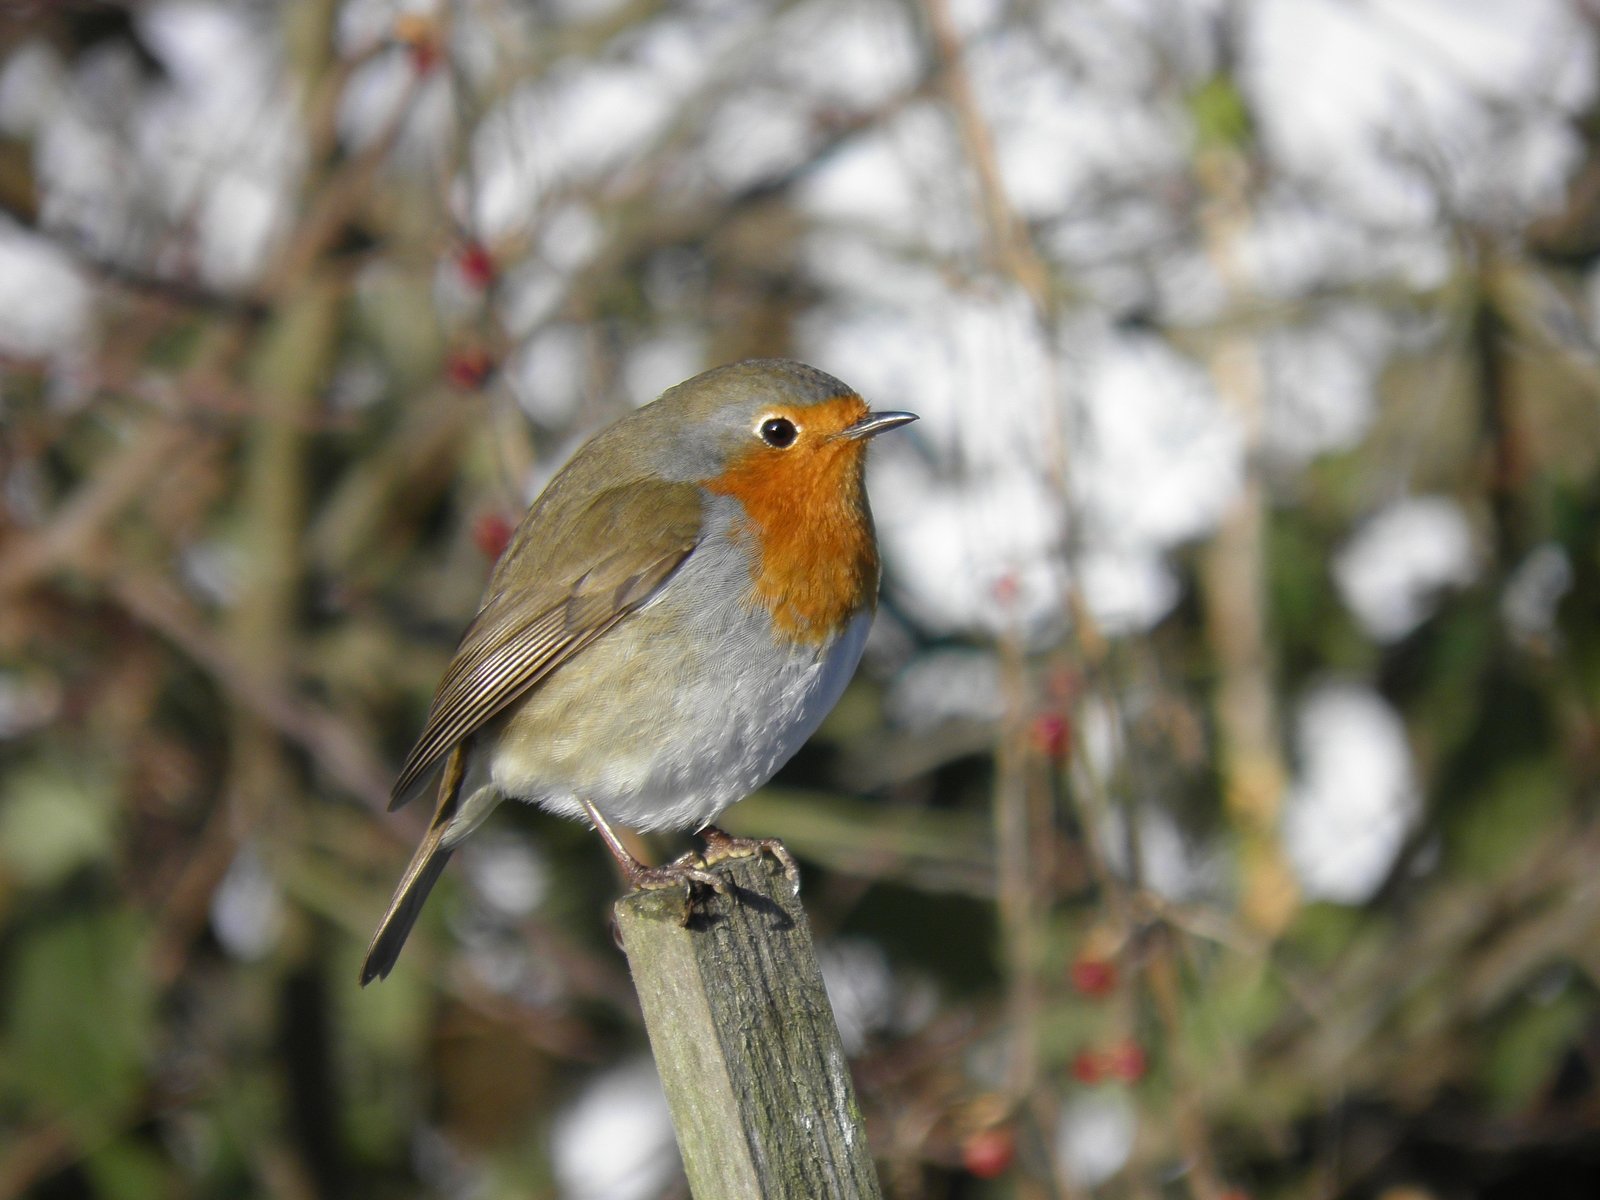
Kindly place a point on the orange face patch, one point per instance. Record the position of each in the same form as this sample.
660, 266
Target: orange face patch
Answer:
817, 560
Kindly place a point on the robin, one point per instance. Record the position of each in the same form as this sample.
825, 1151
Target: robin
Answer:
672, 619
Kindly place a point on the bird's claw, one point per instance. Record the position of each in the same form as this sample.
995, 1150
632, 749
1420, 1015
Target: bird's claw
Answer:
720, 847
684, 872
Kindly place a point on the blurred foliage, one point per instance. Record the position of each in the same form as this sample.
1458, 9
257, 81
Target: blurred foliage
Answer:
247, 511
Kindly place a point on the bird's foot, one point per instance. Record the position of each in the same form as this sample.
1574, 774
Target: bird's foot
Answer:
684, 871
722, 846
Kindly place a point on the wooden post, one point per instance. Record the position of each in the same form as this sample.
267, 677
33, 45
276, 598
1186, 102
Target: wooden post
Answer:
745, 1041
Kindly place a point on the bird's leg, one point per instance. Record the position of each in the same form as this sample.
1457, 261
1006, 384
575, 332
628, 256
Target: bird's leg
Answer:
680, 873
721, 846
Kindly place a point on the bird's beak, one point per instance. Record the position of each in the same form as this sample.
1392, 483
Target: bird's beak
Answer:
875, 423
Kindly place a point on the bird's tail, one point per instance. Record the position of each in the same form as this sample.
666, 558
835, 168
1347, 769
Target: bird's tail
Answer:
421, 875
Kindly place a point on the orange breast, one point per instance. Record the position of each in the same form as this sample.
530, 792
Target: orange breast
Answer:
816, 558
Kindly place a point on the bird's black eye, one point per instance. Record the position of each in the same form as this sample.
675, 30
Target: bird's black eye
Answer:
779, 432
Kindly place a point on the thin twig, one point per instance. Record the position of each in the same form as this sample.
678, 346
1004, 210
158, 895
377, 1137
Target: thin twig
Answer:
330, 741
75, 528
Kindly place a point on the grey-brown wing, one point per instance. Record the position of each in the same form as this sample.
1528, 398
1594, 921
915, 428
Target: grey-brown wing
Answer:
523, 634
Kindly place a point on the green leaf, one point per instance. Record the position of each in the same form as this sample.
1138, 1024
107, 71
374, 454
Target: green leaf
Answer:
1219, 113
129, 1169
53, 820
1526, 1050
1516, 803
79, 1019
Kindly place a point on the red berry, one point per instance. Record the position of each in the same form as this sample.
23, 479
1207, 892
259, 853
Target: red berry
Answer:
424, 57
988, 1153
1094, 977
476, 264
490, 533
468, 368
1051, 736
1087, 1067
1125, 1061
420, 36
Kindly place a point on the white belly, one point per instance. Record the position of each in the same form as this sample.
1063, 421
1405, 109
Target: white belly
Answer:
729, 733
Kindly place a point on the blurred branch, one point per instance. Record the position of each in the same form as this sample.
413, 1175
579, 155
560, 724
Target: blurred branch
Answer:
164, 289
332, 744
1233, 579
890, 758
1397, 1008
935, 851
1498, 410
187, 903
1022, 898
332, 205
74, 530
387, 489
1010, 244
33, 1156
644, 224
1193, 1132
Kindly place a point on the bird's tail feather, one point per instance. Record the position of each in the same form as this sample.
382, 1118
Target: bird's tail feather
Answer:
396, 925
420, 876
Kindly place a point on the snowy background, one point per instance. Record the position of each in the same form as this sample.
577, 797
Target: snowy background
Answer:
1246, 549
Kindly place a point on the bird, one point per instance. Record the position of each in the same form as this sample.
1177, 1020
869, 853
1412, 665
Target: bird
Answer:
670, 621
